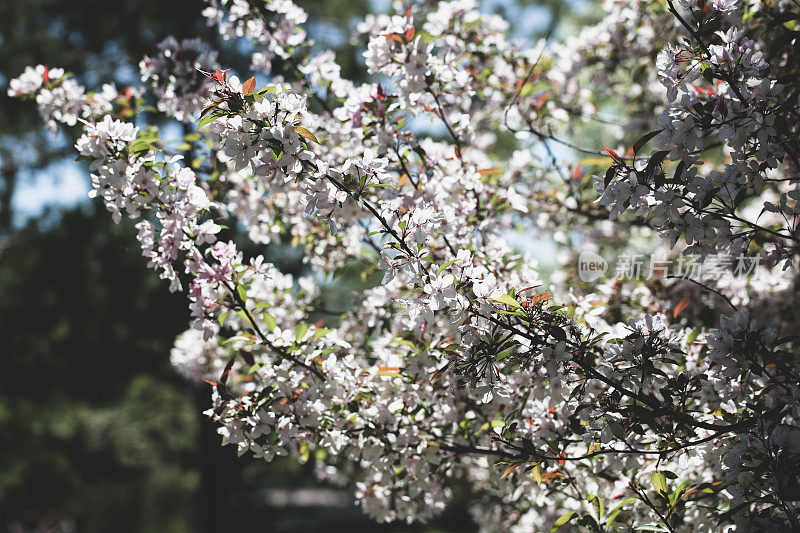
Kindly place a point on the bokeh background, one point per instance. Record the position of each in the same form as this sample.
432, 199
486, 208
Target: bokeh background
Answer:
97, 431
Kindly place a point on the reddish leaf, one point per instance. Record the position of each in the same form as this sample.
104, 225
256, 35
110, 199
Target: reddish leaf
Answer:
539, 299
540, 101
409, 34
394, 37
436, 374
219, 75
704, 90
528, 288
683, 304
249, 86
510, 469
390, 371
550, 476
489, 171
226, 372
614, 155
561, 461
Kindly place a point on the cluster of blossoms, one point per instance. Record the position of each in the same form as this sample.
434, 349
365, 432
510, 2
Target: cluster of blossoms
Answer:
61, 99
562, 403
273, 26
725, 103
176, 78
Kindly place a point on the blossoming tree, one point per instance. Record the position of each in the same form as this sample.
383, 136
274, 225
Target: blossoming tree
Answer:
662, 404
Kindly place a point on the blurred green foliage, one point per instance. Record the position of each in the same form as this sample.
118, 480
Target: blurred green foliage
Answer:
95, 426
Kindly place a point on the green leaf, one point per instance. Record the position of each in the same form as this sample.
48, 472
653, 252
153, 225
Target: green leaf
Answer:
563, 519
140, 144
243, 316
449, 263
515, 312
587, 504
508, 300
270, 321
241, 291
614, 511
208, 119
321, 332
692, 336
659, 481
300, 330
222, 318
648, 527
